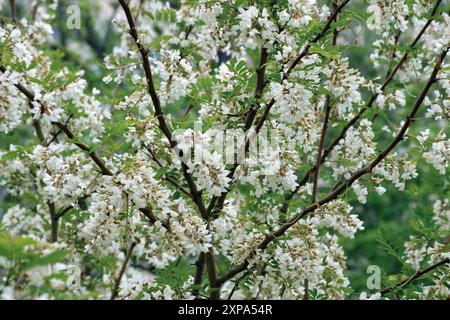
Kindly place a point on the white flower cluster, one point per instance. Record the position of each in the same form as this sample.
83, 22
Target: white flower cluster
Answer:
355, 150
15, 171
135, 287
344, 82
306, 257
249, 20
189, 234
12, 106
103, 230
64, 178
441, 209
270, 169
14, 221
395, 169
176, 75
336, 215
391, 100
205, 164
421, 251
137, 179
94, 173
435, 110
439, 155
385, 12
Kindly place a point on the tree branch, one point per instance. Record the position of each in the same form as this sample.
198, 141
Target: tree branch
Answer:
325, 124
212, 276
318, 36
54, 218
53, 221
414, 277
12, 5
195, 194
166, 177
115, 290
200, 266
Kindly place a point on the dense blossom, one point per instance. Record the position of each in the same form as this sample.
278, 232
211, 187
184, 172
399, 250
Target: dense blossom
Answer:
250, 139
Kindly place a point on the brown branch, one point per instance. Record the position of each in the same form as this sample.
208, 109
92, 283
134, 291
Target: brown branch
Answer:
12, 5
54, 218
62, 212
139, 10
414, 277
56, 134
166, 177
34, 11
393, 53
325, 124
250, 118
302, 54
159, 114
358, 116
347, 184
236, 285
306, 296
115, 290
148, 73
319, 151
218, 202
53, 221
260, 84
92, 154
200, 266
212, 276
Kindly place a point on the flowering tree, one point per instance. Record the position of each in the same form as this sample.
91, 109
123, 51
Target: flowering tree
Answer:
221, 156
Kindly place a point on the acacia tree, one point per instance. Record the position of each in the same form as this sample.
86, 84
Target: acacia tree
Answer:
102, 185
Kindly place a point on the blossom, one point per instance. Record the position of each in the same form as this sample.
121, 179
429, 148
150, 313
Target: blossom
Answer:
121, 182
383, 12
439, 155
365, 296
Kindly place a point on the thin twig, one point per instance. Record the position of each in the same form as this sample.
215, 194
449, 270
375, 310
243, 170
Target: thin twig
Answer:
325, 123
414, 277
12, 5
115, 290
200, 266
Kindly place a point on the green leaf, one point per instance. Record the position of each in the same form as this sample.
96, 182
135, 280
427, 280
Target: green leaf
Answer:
328, 52
390, 242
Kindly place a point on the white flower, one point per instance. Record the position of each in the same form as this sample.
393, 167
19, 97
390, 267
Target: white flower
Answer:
439, 155
361, 192
385, 12
380, 189
365, 296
